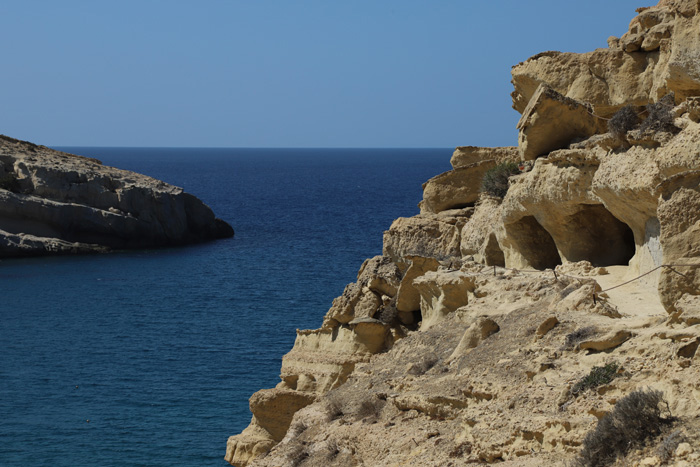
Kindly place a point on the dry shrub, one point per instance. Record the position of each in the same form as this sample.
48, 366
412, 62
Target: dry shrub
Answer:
624, 120
369, 408
297, 455
668, 446
579, 335
495, 181
660, 116
422, 366
634, 419
334, 407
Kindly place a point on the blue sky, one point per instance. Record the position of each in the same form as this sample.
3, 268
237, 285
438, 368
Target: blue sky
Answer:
258, 73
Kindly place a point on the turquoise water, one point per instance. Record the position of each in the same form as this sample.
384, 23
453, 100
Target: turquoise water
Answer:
149, 357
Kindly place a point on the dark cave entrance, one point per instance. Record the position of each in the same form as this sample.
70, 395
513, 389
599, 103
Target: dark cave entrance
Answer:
493, 255
534, 243
595, 235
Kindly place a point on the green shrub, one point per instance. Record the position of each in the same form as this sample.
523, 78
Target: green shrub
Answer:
495, 181
624, 120
598, 376
660, 116
634, 419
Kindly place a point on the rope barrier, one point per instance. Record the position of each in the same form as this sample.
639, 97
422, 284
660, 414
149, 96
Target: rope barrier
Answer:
556, 277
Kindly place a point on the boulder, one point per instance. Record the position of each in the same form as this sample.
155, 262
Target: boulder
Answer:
427, 236
465, 156
455, 189
552, 121
441, 293
408, 298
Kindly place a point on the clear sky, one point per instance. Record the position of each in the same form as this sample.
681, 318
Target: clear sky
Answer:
259, 73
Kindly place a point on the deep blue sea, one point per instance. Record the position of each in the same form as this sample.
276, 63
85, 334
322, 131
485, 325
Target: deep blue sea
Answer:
149, 357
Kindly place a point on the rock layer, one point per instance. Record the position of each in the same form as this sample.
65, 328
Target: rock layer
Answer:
57, 203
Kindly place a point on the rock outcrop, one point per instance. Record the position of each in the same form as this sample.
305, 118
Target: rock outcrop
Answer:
57, 203
474, 338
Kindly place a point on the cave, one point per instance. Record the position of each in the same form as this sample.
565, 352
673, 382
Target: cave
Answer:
595, 235
534, 243
493, 255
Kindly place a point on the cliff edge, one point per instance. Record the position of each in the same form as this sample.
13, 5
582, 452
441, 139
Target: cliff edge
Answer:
552, 321
52, 203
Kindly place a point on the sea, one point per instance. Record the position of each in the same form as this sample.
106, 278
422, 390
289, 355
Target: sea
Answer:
148, 357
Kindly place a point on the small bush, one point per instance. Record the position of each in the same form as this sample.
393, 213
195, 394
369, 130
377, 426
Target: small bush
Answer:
369, 408
634, 419
495, 180
660, 116
598, 376
668, 446
334, 407
624, 120
577, 336
9, 182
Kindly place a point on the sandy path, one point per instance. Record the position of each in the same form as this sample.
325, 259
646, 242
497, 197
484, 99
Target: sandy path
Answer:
634, 299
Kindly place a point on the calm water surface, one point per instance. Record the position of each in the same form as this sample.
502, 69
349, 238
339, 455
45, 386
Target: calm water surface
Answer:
149, 357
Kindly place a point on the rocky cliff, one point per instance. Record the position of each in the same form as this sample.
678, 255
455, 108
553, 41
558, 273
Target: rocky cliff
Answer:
531, 328
57, 203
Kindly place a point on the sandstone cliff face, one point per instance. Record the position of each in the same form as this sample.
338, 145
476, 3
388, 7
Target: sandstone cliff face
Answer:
57, 203
463, 343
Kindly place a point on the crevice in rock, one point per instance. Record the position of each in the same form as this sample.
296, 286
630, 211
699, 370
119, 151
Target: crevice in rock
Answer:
493, 255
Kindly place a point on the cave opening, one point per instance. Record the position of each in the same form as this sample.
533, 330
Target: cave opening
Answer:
595, 235
493, 255
534, 243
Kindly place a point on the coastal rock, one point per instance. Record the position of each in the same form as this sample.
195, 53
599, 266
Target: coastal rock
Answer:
430, 237
590, 261
465, 156
455, 189
441, 293
57, 203
408, 298
654, 57
551, 121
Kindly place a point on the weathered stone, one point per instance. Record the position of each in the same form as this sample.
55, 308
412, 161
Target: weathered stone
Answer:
608, 341
465, 156
474, 335
380, 275
688, 307
430, 237
408, 298
455, 189
441, 293
552, 121
58, 203
479, 237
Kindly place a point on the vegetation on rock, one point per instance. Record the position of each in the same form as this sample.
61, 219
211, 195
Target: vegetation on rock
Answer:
634, 419
624, 120
495, 180
598, 376
660, 116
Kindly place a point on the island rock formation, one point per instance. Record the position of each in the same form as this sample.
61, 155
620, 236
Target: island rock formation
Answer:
52, 203
480, 333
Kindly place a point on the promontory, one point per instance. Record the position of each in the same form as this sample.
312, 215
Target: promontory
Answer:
53, 203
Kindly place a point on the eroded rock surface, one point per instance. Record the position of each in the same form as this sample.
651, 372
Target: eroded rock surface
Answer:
57, 203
